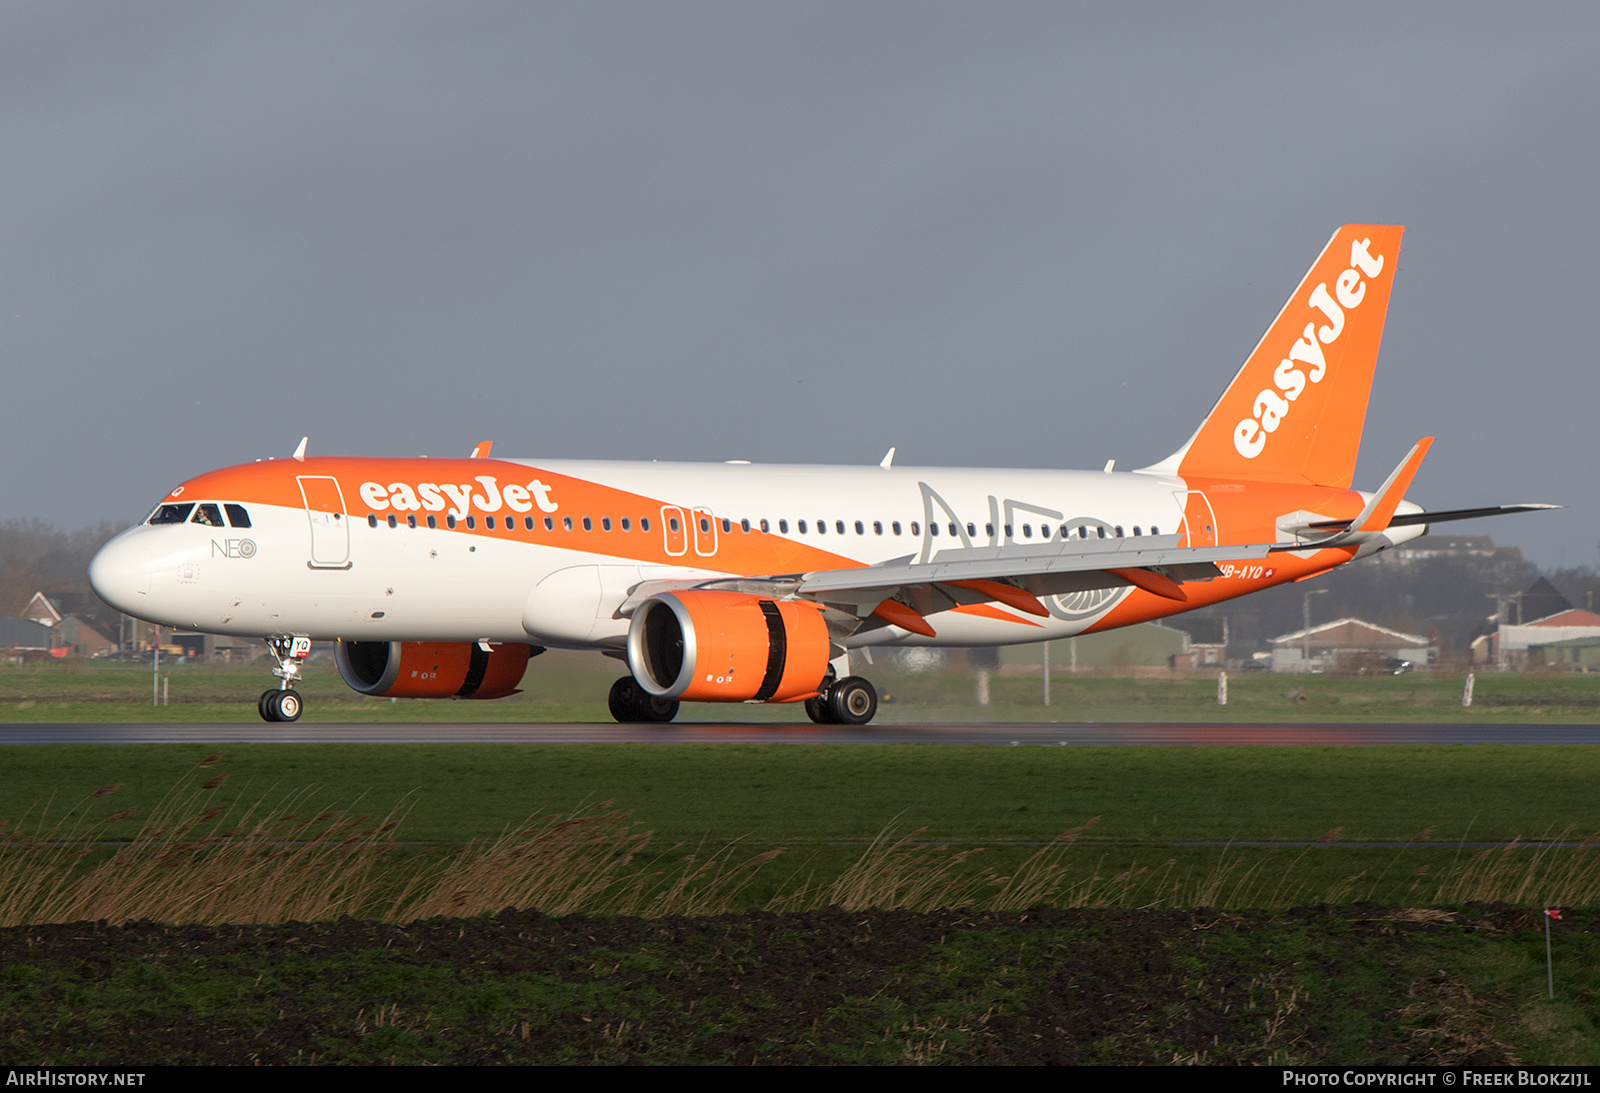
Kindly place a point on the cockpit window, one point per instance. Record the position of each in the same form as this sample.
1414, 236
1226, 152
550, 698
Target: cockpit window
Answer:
208, 514
171, 514
237, 516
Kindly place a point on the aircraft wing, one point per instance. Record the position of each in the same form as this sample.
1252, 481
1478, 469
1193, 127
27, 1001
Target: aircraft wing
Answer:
901, 592
1069, 556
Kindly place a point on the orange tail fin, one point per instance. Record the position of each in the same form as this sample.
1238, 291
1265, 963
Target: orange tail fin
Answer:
1294, 412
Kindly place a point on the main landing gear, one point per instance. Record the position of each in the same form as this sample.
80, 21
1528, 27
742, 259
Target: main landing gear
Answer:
848, 701
630, 702
285, 703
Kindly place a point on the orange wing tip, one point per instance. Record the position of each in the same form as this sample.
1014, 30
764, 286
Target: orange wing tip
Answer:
1153, 583
1008, 594
481, 451
898, 614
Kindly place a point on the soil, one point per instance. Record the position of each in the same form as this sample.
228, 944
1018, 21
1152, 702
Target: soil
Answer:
1346, 985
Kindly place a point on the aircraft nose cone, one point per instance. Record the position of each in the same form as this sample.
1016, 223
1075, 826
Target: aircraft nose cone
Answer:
120, 575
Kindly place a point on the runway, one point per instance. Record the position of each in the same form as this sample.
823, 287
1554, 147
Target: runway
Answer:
1021, 734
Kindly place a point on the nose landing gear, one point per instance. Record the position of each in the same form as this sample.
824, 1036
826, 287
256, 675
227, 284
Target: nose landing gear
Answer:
285, 703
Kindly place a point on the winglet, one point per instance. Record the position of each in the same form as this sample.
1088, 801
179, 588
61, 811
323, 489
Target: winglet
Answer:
482, 450
888, 460
300, 452
1380, 510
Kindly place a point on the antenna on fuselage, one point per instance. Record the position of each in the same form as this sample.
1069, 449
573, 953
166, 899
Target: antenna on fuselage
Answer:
300, 452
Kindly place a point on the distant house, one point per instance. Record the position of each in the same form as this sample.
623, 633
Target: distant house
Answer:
25, 635
70, 635
1208, 640
1512, 646
1344, 644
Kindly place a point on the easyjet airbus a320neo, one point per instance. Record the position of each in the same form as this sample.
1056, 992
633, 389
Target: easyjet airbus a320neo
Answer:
745, 583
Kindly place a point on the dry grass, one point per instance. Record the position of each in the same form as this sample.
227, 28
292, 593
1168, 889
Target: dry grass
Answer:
193, 861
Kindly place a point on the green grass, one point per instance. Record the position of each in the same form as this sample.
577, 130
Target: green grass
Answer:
1155, 796
572, 687
1177, 822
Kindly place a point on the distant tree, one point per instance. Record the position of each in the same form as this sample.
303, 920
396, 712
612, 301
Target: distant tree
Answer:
39, 557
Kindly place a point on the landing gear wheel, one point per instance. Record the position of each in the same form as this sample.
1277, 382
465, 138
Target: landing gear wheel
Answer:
289, 705
852, 701
622, 700
281, 706
630, 703
658, 709
818, 709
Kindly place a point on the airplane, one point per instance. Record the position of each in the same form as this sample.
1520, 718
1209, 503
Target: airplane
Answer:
738, 582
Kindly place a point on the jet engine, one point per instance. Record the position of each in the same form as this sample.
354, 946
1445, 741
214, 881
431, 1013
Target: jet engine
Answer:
706, 645
432, 669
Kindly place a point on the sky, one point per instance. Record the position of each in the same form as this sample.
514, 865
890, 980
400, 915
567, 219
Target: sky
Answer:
999, 234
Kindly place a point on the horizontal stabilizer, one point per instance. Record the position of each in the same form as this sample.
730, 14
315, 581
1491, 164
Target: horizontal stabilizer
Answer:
1412, 519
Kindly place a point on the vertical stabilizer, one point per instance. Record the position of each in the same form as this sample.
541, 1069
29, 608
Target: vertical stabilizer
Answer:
1294, 412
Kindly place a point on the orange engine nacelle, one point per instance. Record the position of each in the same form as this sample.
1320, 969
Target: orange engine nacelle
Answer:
432, 669
712, 646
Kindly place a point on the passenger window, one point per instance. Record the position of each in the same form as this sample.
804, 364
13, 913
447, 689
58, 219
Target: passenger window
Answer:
1154, 530
605, 523
627, 525
549, 524
672, 523
472, 523
860, 528
488, 522
955, 532
644, 524
933, 529
1119, 531
802, 527
895, 527
588, 524
372, 520
1136, 529
838, 525
877, 527
208, 514
972, 530
433, 522
527, 523
449, 521
566, 523
727, 525
391, 520
764, 527
915, 528
744, 526
237, 516
822, 527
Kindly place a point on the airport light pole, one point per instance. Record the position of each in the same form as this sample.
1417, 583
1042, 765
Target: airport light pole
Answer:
1305, 633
